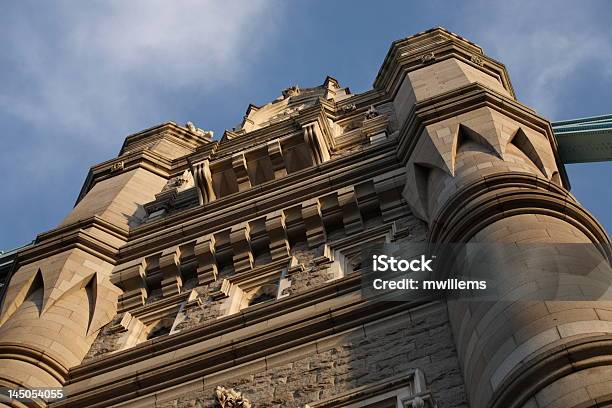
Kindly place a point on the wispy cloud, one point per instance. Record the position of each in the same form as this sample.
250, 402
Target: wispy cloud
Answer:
542, 43
85, 66
77, 77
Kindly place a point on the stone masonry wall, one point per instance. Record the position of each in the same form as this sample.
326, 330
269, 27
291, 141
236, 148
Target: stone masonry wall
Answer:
423, 342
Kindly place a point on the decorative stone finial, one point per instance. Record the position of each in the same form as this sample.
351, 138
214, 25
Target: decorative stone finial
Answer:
200, 132
230, 398
291, 91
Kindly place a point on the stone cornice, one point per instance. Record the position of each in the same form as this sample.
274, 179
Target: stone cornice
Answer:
26, 354
504, 195
179, 134
191, 223
313, 319
545, 368
76, 235
145, 159
294, 188
406, 55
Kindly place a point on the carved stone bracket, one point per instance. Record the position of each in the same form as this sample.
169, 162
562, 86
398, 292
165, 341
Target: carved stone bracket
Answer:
203, 181
130, 278
275, 153
205, 254
169, 265
240, 170
314, 139
313, 221
351, 215
275, 226
241, 245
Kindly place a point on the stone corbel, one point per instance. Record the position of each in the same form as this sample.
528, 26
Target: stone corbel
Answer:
275, 226
203, 181
135, 329
205, 255
313, 222
240, 240
351, 215
130, 278
389, 187
275, 152
223, 292
169, 265
315, 140
240, 170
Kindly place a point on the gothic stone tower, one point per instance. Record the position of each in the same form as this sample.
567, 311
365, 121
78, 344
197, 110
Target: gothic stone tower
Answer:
198, 273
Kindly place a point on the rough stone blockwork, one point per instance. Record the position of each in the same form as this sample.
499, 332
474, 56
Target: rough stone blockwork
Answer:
424, 342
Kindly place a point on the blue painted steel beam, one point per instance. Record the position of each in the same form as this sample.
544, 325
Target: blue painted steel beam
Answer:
584, 140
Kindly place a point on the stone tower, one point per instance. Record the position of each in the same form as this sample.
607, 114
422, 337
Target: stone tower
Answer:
196, 272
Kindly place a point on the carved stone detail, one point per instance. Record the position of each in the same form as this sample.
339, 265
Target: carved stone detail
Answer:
477, 60
275, 152
314, 139
205, 254
239, 165
291, 91
200, 132
348, 108
230, 398
203, 181
428, 58
371, 113
118, 166
313, 221
240, 240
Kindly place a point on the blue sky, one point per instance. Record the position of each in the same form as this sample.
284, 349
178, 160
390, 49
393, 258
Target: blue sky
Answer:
77, 77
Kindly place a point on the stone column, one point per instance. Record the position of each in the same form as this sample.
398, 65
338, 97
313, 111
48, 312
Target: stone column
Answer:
482, 167
60, 295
